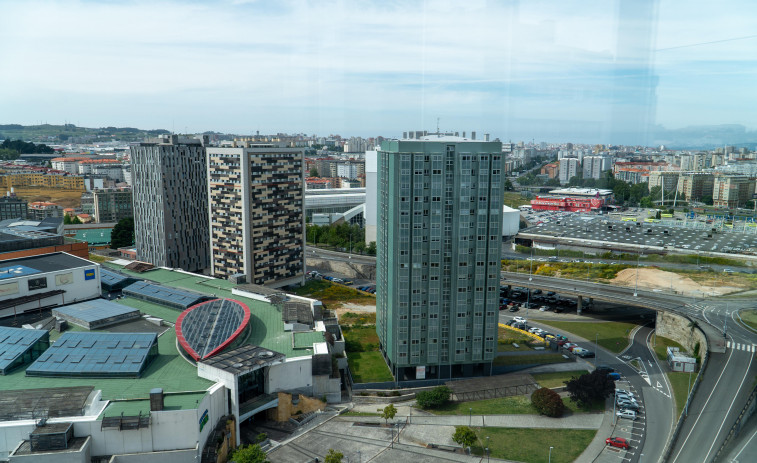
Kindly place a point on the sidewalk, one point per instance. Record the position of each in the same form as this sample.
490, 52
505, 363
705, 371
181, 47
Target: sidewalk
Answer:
606, 429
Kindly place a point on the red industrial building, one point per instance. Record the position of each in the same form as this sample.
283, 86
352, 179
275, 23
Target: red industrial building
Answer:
567, 204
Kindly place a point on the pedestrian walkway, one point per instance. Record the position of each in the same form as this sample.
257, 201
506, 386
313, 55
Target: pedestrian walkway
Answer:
576, 421
740, 346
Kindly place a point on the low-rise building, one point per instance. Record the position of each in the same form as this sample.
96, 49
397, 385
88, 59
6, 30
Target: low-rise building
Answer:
39, 210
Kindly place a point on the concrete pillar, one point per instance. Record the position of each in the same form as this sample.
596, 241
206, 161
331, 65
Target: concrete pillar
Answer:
580, 304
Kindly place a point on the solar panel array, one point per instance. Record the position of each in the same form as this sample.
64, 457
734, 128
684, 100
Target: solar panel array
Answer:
207, 327
170, 297
96, 313
15, 342
113, 279
97, 355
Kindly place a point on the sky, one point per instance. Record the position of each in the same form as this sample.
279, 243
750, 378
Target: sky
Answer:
591, 71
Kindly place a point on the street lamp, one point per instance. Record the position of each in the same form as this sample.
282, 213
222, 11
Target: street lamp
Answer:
636, 288
470, 416
550, 454
487, 449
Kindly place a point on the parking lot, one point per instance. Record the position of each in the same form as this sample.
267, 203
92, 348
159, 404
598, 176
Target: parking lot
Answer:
575, 229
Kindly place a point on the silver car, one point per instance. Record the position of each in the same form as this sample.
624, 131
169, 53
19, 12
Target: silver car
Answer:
627, 414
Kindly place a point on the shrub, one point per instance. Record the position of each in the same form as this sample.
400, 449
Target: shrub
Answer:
548, 402
436, 397
261, 437
588, 388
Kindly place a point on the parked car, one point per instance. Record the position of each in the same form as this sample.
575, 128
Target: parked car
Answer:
605, 368
514, 308
625, 404
536, 291
626, 392
586, 354
618, 442
544, 308
614, 376
627, 414
624, 396
519, 319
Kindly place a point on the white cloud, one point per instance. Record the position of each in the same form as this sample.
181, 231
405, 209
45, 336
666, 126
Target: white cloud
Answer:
356, 66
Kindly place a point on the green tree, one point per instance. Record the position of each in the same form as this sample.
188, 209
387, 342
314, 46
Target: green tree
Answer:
464, 436
622, 191
388, 413
71, 220
590, 387
122, 234
8, 154
707, 200
314, 172
334, 457
436, 397
249, 454
508, 185
548, 402
371, 248
638, 191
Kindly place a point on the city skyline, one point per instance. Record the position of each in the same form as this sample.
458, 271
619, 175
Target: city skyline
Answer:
596, 72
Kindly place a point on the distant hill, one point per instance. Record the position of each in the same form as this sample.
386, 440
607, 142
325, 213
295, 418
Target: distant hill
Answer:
70, 133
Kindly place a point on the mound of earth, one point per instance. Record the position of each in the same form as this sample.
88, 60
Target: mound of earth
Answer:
650, 278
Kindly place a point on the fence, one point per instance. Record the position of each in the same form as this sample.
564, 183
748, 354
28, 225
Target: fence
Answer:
746, 412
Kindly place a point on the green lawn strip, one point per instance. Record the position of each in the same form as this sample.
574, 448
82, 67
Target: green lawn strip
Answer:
661, 344
511, 405
749, 317
613, 336
359, 414
532, 445
556, 378
368, 367
528, 359
679, 381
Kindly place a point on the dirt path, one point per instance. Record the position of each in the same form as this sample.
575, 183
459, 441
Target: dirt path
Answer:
650, 278
352, 307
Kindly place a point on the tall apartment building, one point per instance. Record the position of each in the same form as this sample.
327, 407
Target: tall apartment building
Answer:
112, 204
732, 191
668, 180
595, 166
257, 213
569, 167
439, 218
694, 186
171, 202
12, 207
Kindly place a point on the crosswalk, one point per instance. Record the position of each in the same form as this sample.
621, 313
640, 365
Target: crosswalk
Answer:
740, 346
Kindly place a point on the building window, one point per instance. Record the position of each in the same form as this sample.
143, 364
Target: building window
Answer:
37, 283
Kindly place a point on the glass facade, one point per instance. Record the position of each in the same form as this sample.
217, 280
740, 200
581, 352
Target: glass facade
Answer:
438, 255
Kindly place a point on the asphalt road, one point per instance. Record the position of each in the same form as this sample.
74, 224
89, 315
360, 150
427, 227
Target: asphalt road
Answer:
726, 384
725, 387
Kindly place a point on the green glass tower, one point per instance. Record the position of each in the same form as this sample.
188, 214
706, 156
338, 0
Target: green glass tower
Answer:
439, 237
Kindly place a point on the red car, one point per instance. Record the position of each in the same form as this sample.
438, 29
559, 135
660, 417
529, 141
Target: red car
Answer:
617, 442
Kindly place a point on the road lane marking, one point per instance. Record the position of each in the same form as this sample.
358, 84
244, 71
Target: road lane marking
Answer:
746, 372
712, 391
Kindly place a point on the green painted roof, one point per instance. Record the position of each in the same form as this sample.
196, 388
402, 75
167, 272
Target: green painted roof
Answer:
94, 236
305, 340
186, 401
265, 320
168, 371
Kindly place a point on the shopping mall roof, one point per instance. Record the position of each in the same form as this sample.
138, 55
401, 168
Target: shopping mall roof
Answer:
96, 355
14, 343
266, 325
205, 329
96, 313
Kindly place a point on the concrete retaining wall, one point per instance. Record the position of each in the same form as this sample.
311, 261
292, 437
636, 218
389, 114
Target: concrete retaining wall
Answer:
350, 269
679, 329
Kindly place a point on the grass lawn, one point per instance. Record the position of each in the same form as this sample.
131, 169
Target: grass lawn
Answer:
661, 345
512, 405
360, 414
514, 199
613, 336
680, 383
333, 294
557, 378
368, 367
357, 318
531, 359
749, 317
532, 445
